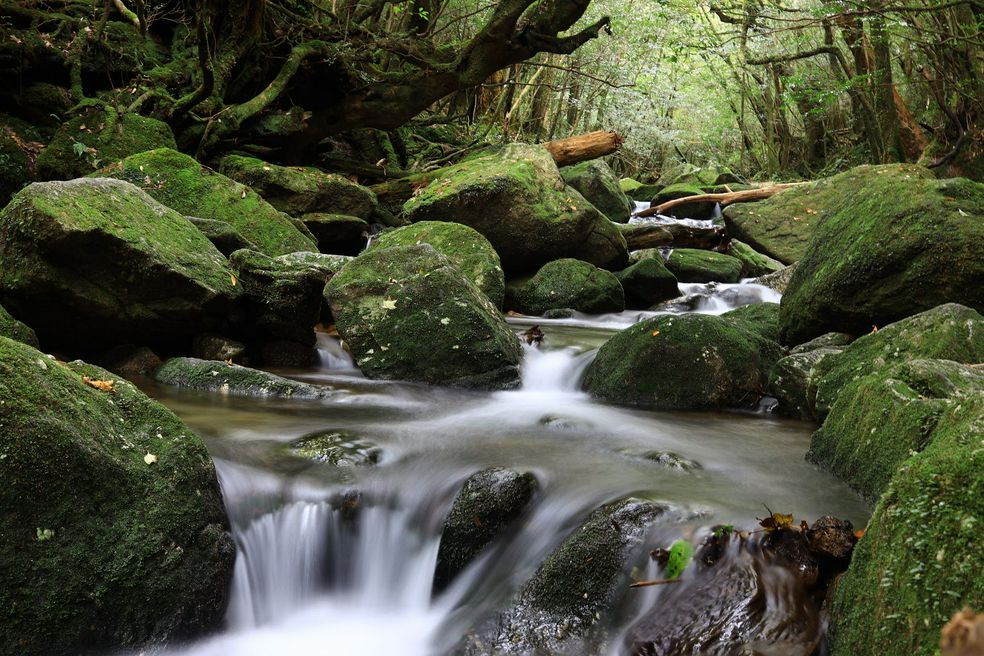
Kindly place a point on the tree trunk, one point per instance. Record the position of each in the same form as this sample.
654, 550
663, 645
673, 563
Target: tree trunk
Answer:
583, 147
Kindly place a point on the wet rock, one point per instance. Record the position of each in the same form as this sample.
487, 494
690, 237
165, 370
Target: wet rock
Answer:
791, 548
596, 181
335, 448
832, 539
793, 381
214, 376
115, 535
208, 346
647, 282
682, 362
753, 263
14, 329
222, 235
537, 217
567, 283
670, 460
407, 312
779, 280
483, 510
337, 233
181, 183
837, 341
698, 210
559, 313
112, 264
695, 265
130, 361
466, 247
898, 243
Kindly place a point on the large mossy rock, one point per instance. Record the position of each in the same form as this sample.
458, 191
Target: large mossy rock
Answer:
488, 502
518, 200
568, 283
300, 190
753, 263
948, 332
183, 184
97, 138
897, 245
407, 312
599, 185
647, 282
96, 262
683, 362
113, 529
233, 380
691, 174
14, 329
920, 560
464, 246
696, 265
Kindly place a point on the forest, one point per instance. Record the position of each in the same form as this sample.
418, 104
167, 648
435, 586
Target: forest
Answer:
473, 327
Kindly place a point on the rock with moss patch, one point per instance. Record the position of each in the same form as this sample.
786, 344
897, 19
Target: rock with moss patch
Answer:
407, 312
114, 533
897, 244
340, 234
17, 154
647, 282
338, 449
567, 283
682, 362
99, 137
596, 181
183, 184
14, 329
920, 560
793, 382
707, 176
777, 281
518, 200
696, 265
234, 380
753, 263
950, 332
112, 264
300, 190
638, 191
222, 235
209, 346
464, 246
759, 318
488, 502
700, 210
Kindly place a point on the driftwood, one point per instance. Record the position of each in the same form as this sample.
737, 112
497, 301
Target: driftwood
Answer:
640, 236
583, 147
725, 199
565, 152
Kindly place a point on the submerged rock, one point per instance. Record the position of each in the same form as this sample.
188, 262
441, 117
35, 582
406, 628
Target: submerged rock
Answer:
568, 283
898, 243
695, 265
181, 183
112, 266
336, 448
466, 247
232, 379
486, 505
114, 533
518, 200
647, 282
407, 312
596, 181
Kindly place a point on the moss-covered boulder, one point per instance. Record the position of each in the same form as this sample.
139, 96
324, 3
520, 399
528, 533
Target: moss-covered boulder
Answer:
920, 560
99, 137
793, 382
949, 332
183, 184
340, 234
14, 329
96, 262
753, 263
638, 191
683, 362
300, 190
707, 176
488, 502
114, 533
897, 245
596, 181
700, 210
518, 200
466, 247
647, 282
696, 265
777, 281
567, 283
759, 318
222, 235
407, 312
234, 380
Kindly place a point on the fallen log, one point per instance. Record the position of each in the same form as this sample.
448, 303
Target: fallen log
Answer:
641, 236
724, 199
583, 147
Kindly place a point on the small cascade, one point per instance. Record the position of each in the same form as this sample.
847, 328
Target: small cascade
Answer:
554, 371
333, 355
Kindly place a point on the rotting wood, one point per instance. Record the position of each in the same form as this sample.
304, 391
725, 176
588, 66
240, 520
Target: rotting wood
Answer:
583, 147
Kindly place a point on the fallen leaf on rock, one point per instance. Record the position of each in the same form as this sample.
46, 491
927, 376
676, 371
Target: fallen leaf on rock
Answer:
150, 458
102, 385
389, 305
775, 521
233, 279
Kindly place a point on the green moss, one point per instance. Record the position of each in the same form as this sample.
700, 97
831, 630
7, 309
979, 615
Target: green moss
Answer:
183, 184
753, 263
15, 167
158, 561
568, 283
893, 242
596, 181
14, 329
759, 318
647, 282
696, 265
215, 376
464, 246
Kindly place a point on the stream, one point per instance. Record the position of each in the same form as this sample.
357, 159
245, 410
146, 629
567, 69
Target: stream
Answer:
309, 581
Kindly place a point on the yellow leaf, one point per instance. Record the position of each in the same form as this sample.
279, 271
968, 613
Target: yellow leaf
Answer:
102, 385
776, 521
655, 332
233, 279
389, 305
150, 458
874, 329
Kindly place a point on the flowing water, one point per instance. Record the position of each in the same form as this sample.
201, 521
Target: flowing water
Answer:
310, 579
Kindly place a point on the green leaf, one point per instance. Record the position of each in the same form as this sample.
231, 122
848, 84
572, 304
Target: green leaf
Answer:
78, 148
681, 553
